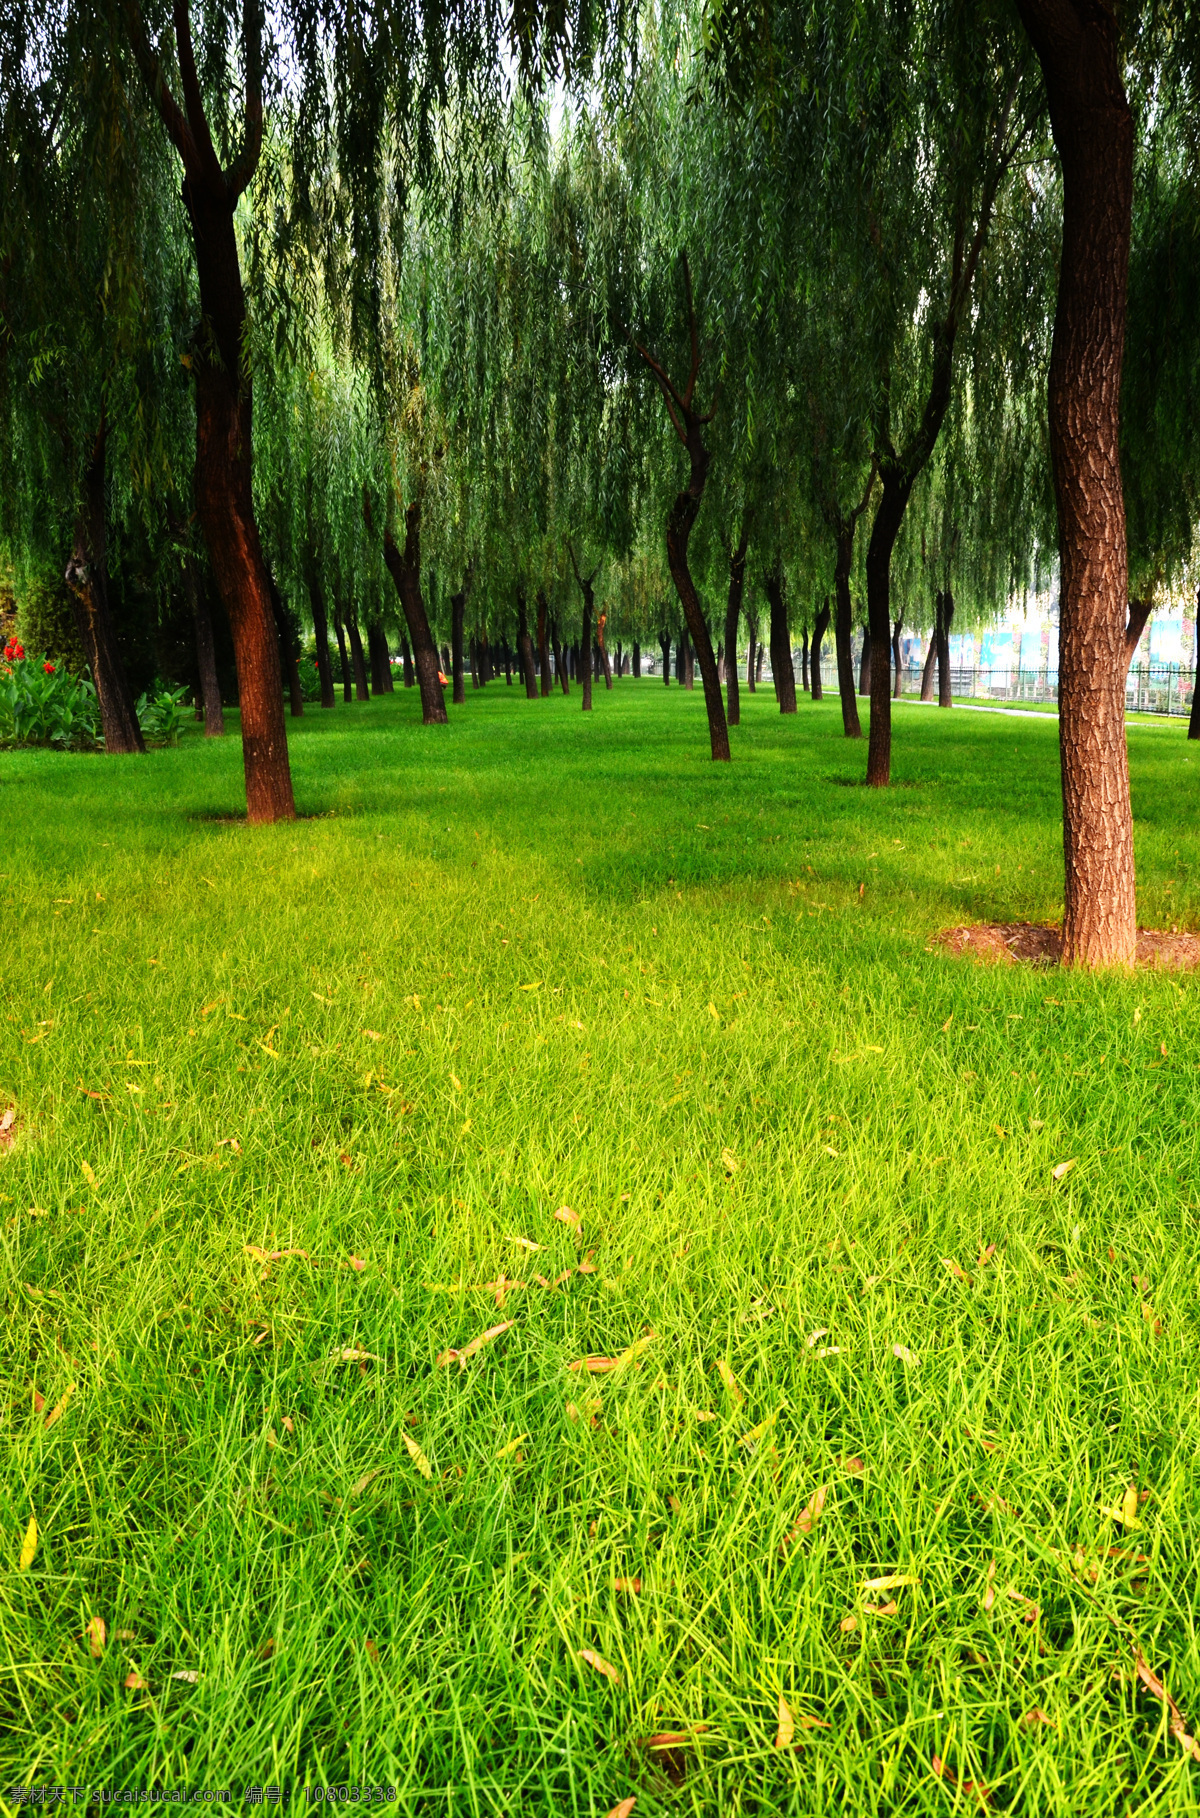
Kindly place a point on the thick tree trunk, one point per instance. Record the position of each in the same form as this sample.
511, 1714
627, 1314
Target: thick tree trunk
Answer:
781, 646
458, 602
362, 690
287, 648
820, 627
225, 502
897, 663
543, 644
87, 580
525, 647
1080, 50
320, 619
404, 566
944, 622
340, 633
733, 614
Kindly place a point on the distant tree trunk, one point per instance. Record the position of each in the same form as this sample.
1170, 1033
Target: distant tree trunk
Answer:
375, 657
759, 654
475, 663
804, 657
1139, 612
361, 690
458, 602
637, 661
211, 711
1194, 719
931, 654
781, 646
617, 669
864, 661
585, 636
406, 660
898, 669
733, 614
752, 657
820, 627
543, 645
340, 633
944, 621
562, 659
525, 647
87, 580
320, 619
404, 566
664, 645
224, 395
286, 632
603, 651
689, 661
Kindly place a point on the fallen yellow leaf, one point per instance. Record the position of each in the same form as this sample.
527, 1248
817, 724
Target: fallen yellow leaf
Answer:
624, 1808
730, 1380
891, 1581
1062, 1168
476, 1344
97, 1636
511, 1447
787, 1725
88, 1172
418, 1457
598, 1662
28, 1545
56, 1413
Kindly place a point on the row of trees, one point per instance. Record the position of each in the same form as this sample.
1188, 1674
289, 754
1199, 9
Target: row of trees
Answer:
560, 318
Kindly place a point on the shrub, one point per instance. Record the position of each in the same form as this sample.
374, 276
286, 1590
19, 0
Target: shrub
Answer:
161, 713
42, 704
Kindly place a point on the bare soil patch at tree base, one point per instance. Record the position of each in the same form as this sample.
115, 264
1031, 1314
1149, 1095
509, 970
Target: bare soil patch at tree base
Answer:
1040, 944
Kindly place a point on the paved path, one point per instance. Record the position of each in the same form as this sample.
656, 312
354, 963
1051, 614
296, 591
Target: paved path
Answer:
1047, 713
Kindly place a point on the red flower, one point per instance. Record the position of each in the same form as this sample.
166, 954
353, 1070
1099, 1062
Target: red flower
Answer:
49, 668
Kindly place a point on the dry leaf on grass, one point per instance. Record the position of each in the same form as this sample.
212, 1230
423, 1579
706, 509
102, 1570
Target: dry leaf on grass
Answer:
599, 1366
56, 1413
989, 1595
525, 1243
135, 1683
513, 1445
881, 1609
266, 1648
976, 1787
272, 1256
729, 1160
97, 1636
630, 1586
371, 1650
1175, 1722
1033, 1718
476, 1344
356, 1263
353, 1354
624, 1808
356, 1489
848, 1624
187, 1676
565, 1216
1063, 1168
600, 1665
854, 1465
730, 1380
891, 1581
28, 1545
1029, 1609
958, 1273
787, 1725
808, 1516
1125, 1511
985, 1256
904, 1354
418, 1457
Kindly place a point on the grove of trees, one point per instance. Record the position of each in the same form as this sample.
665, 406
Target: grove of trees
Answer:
520, 339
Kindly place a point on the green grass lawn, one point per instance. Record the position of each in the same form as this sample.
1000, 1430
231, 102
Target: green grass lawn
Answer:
534, 961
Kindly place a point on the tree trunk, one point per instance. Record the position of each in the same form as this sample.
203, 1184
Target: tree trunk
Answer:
897, 665
340, 633
1194, 718
804, 657
525, 647
602, 648
585, 645
87, 580
543, 644
410, 675
287, 648
931, 654
361, 691
475, 662
864, 661
458, 602
404, 566
781, 647
1080, 51
1139, 612
206, 654
562, 658
320, 619
751, 658
759, 654
637, 661
733, 614
820, 627
375, 657
664, 645
944, 622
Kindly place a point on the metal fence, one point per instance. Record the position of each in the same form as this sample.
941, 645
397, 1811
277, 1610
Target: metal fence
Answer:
1150, 687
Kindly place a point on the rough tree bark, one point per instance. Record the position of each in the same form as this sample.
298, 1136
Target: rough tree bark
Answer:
689, 425
87, 581
224, 393
820, 627
781, 646
1079, 46
733, 614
